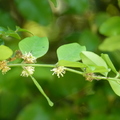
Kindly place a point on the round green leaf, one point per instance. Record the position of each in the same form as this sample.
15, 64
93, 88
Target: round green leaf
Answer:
111, 27
5, 52
92, 59
111, 44
70, 52
38, 46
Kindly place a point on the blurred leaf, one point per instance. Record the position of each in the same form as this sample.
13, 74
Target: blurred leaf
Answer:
92, 59
12, 33
5, 52
2, 30
18, 29
6, 19
119, 3
70, 64
110, 44
36, 10
101, 18
38, 46
109, 62
112, 10
70, 52
80, 6
115, 86
33, 111
1, 42
90, 40
54, 2
111, 27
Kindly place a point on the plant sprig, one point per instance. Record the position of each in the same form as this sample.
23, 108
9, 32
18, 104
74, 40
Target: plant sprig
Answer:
70, 56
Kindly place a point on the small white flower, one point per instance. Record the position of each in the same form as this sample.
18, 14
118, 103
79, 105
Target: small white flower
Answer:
28, 70
59, 71
29, 58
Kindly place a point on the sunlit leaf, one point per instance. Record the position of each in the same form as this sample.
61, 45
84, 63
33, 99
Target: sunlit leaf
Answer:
111, 27
70, 52
110, 44
96, 69
115, 86
38, 46
5, 52
71, 64
109, 62
92, 59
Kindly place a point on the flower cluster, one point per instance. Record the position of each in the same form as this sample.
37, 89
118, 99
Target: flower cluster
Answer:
28, 58
28, 70
59, 71
4, 67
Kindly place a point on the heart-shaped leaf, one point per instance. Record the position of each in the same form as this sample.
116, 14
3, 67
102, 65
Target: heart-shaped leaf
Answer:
70, 52
38, 46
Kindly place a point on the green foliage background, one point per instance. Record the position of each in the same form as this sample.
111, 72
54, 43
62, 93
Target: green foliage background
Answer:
62, 21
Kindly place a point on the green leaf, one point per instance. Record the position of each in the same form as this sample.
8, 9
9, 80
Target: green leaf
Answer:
1, 42
18, 29
92, 59
96, 69
71, 64
38, 46
12, 33
2, 30
109, 62
70, 52
115, 86
78, 6
5, 52
111, 27
41, 90
54, 2
112, 43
